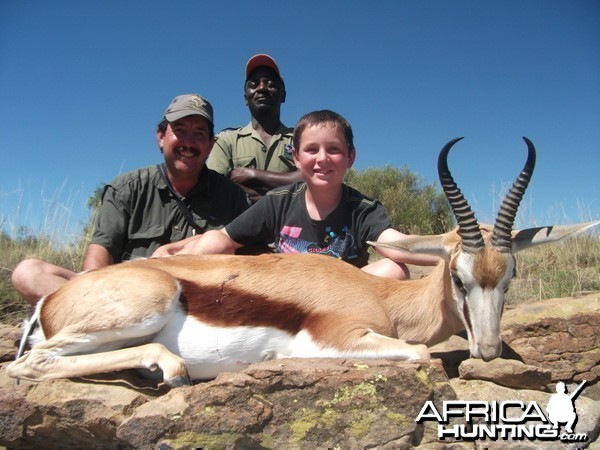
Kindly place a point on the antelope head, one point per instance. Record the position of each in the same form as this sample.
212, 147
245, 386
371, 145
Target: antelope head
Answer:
482, 264
480, 259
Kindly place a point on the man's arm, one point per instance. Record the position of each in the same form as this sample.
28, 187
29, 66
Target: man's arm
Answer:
219, 159
110, 230
263, 178
96, 257
255, 181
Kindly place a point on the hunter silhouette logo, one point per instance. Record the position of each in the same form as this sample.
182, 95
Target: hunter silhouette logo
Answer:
561, 407
472, 420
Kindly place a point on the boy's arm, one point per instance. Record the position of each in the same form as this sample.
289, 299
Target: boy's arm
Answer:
391, 235
214, 241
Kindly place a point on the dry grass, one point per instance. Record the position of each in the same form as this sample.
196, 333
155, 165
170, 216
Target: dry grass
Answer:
12, 308
59, 241
565, 269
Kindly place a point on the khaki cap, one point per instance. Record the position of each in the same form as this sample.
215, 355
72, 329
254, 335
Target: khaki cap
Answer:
188, 105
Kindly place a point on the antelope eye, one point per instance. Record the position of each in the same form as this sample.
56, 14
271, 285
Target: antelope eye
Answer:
459, 284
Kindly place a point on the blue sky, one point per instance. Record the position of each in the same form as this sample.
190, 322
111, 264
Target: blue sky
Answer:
83, 84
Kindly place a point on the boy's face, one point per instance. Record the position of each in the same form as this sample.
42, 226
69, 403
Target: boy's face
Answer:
323, 156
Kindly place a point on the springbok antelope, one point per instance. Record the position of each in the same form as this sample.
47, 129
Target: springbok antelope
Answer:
196, 316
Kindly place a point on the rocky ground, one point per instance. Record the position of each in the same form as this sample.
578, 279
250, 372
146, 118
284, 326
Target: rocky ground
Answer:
320, 403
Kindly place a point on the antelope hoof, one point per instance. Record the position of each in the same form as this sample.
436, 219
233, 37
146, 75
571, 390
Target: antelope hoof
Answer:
179, 381
421, 352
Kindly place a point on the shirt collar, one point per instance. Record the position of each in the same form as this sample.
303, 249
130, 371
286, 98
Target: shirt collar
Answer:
202, 185
282, 130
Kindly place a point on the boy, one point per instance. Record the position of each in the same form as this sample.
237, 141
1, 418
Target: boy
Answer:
321, 214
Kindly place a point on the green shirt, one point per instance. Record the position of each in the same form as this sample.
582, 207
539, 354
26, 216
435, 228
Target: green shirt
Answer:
243, 147
139, 213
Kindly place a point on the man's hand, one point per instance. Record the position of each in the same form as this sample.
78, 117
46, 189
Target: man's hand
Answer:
174, 247
243, 175
167, 250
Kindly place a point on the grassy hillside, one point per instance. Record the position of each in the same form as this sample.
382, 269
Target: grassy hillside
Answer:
565, 269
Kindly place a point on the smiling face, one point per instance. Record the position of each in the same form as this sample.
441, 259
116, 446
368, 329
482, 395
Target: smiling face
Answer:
323, 156
186, 144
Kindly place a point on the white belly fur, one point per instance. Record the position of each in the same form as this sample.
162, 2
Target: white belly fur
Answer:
209, 350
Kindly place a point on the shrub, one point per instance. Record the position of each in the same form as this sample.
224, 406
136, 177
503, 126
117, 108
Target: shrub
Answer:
413, 206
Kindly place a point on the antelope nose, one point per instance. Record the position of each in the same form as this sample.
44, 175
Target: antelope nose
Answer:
490, 350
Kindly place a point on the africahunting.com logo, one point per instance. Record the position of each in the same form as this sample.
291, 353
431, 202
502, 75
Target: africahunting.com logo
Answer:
507, 420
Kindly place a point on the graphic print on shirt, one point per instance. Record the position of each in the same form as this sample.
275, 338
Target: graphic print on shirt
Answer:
340, 246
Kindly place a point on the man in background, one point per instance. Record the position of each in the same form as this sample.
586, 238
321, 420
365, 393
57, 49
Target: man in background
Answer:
258, 156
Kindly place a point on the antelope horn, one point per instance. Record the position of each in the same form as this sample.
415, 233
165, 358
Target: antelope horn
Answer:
468, 228
502, 235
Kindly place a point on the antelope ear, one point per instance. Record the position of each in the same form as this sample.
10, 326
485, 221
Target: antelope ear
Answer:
431, 245
530, 237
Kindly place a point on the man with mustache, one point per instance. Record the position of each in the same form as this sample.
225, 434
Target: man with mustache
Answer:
258, 156
153, 206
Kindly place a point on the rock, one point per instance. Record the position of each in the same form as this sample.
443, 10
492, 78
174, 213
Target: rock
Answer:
308, 403
561, 335
588, 412
315, 403
10, 337
506, 372
452, 352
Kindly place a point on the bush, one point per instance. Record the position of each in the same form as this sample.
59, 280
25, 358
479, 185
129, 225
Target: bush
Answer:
413, 206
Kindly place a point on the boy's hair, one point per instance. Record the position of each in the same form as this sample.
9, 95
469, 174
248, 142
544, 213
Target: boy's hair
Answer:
323, 117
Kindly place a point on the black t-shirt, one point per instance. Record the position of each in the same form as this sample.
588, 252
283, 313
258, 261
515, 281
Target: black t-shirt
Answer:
282, 217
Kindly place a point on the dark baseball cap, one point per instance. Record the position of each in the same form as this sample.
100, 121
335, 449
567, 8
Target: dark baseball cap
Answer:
188, 105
